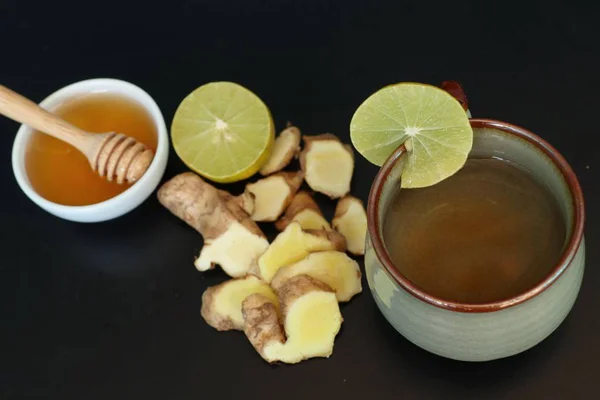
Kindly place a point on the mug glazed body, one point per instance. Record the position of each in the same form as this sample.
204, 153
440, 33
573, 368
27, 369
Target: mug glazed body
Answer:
474, 336
482, 332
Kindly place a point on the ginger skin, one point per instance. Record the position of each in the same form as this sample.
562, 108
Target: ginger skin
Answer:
261, 322
191, 199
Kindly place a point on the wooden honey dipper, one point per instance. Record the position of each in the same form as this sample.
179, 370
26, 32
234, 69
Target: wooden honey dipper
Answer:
113, 155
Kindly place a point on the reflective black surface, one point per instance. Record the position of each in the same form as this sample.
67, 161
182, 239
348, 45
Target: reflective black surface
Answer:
111, 310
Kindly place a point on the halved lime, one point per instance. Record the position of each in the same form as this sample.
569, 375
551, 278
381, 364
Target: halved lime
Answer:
223, 132
428, 120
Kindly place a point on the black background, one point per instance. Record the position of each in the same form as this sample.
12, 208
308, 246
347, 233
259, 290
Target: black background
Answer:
111, 310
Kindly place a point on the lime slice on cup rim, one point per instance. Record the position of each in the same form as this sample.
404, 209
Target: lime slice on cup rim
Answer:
429, 121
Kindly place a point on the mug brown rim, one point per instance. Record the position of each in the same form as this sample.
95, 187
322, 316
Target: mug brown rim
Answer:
562, 265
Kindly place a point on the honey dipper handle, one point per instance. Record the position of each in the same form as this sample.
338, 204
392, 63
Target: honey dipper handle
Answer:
25, 111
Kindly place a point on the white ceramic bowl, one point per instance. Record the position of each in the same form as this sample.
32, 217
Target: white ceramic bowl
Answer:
122, 203
481, 332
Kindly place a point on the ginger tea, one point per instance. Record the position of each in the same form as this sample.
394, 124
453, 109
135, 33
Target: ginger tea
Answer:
487, 233
60, 173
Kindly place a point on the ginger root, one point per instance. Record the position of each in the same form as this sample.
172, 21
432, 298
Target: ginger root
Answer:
328, 165
286, 146
292, 245
333, 268
311, 321
273, 194
222, 304
304, 210
351, 221
231, 238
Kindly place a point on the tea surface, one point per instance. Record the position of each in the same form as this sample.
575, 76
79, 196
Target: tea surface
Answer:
487, 233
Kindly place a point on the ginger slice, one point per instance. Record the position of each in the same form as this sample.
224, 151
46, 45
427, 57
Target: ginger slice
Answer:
236, 251
311, 321
273, 194
292, 245
286, 146
222, 304
304, 210
310, 219
337, 239
351, 221
328, 164
245, 200
333, 268
231, 239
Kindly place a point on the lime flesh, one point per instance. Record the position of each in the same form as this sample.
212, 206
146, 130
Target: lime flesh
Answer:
223, 132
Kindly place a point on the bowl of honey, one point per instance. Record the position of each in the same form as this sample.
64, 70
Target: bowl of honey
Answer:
59, 179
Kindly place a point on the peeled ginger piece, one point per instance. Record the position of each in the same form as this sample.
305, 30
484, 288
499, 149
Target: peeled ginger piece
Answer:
273, 194
292, 245
222, 304
328, 165
310, 219
235, 250
333, 268
304, 210
286, 146
351, 221
311, 321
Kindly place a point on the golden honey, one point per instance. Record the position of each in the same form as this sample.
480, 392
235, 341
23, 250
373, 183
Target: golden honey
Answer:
60, 173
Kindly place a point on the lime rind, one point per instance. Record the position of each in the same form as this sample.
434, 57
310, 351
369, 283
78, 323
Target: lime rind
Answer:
438, 128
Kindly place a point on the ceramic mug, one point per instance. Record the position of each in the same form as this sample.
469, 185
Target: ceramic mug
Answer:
481, 332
